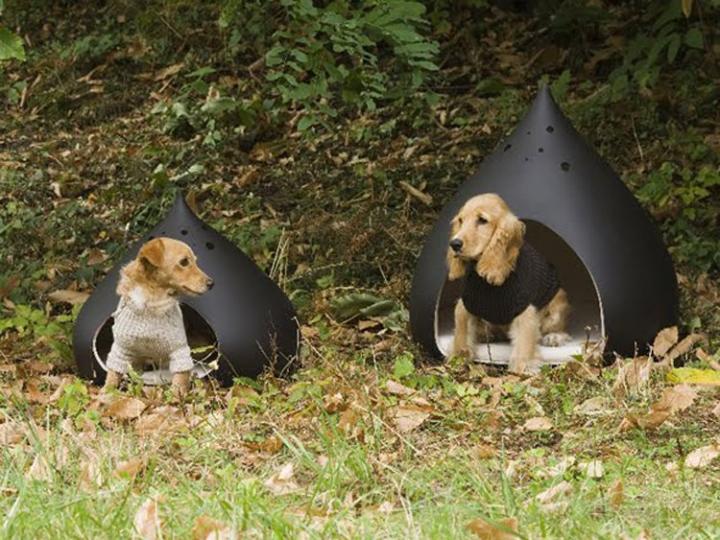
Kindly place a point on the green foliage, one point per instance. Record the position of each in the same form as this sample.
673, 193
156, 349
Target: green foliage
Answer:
11, 46
325, 57
665, 35
349, 307
689, 199
31, 322
404, 366
199, 107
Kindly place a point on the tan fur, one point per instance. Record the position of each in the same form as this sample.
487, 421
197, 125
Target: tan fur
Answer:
493, 245
164, 267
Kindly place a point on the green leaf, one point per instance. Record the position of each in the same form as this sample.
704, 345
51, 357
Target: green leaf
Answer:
10, 45
694, 38
403, 366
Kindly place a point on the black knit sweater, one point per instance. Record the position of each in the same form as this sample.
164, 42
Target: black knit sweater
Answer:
532, 282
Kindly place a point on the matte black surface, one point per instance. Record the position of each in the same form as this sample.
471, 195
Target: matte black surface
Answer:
254, 322
546, 172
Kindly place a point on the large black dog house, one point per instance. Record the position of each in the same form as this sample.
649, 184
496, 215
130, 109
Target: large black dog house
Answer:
245, 321
579, 214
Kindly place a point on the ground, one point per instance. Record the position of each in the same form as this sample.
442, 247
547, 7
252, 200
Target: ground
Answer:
369, 438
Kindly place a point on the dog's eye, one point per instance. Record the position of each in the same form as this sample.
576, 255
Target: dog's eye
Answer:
459, 221
481, 220
184, 261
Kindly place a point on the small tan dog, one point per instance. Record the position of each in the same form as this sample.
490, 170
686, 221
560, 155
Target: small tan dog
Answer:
148, 323
510, 289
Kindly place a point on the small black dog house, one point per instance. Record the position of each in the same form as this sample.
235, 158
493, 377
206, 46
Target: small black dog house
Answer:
245, 319
608, 254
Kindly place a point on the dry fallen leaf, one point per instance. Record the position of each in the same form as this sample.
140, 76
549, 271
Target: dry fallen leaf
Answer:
147, 520
538, 423
503, 529
207, 528
160, 421
398, 389
676, 398
39, 470
683, 347
282, 481
409, 417
484, 451
616, 494
701, 457
550, 494
11, 433
125, 408
68, 297
130, 468
592, 407
666, 338
651, 420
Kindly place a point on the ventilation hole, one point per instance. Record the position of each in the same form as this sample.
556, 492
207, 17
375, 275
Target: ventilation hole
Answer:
527, 159
507, 147
528, 133
565, 166
549, 129
209, 245
541, 149
183, 232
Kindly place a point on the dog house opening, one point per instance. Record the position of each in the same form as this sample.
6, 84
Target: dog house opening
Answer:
201, 339
585, 323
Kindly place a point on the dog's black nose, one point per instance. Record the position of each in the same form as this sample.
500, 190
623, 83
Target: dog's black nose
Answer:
210, 283
456, 244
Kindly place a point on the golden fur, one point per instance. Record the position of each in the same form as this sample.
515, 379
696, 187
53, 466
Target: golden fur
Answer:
163, 268
489, 235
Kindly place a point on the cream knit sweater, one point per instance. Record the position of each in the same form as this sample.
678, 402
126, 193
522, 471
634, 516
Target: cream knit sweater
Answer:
149, 332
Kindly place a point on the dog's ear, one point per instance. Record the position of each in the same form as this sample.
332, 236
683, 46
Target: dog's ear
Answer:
501, 253
456, 267
152, 253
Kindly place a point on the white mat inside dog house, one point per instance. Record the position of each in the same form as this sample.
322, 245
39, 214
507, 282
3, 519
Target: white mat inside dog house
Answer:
585, 324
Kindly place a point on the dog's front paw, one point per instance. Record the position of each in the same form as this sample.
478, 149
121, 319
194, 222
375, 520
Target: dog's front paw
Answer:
555, 339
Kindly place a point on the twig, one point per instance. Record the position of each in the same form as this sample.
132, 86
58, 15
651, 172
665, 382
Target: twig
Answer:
415, 192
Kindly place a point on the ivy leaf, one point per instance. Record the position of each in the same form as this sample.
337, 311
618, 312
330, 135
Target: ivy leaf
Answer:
10, 45
694, 38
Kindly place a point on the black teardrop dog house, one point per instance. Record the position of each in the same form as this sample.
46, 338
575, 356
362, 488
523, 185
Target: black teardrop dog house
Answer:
609, 255
245, 318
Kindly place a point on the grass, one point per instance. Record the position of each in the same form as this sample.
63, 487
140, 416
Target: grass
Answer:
355, 475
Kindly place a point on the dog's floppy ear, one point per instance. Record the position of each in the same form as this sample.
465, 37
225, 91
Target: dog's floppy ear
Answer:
152, 253
456, 266
501, 253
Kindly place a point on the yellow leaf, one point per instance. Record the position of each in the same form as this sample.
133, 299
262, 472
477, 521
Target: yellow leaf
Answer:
68, 297
409, 417
694, 376
687, 6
